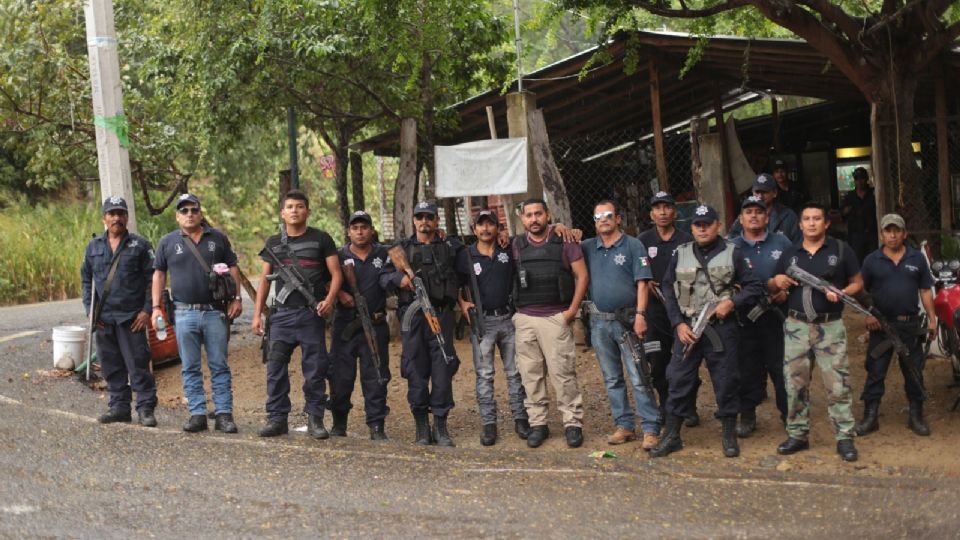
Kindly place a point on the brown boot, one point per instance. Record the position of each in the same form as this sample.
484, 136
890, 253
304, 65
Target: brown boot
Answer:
621, 435
650, 440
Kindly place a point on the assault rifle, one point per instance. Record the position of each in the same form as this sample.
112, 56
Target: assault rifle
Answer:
293, 280
638, 351
477, 322
903, 352
422, 301
700, 325
363, 311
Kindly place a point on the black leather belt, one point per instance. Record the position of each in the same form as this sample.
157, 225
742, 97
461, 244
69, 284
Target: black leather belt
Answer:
292, 308
907, 318
498, 312
194, 307
819, 319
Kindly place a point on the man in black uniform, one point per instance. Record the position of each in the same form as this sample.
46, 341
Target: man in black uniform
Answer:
789, 194
120, 263
294, 321
661, 243
859, 210
349, 344
198, 319
894, 274
492, 264
428, 368
708, 271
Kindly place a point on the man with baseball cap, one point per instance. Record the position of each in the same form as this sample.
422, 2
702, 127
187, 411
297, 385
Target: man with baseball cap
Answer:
371, 267
896, 275
115, 278
761, 336
492, 267
708, 271
780, 218
789, 193
859, 209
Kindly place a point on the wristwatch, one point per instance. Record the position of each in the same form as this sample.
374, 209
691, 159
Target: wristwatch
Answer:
642, 313
237, 297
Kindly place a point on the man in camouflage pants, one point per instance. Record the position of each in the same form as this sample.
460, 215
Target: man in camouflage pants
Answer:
814, 324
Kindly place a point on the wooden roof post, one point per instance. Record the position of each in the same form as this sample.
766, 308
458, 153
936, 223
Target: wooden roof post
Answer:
728, 193
519, 106
661, 159
943, 155
406, 187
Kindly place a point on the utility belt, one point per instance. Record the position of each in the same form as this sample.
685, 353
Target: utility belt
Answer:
498, 312
819, 319
195, 307
356, 324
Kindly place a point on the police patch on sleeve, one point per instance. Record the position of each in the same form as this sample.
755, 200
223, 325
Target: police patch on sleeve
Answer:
644, 261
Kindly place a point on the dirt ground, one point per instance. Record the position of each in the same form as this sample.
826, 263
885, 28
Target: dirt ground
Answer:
892, 451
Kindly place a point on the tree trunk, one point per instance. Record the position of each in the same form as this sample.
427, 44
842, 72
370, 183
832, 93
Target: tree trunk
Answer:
897, 178
356, 181
406, 186
342, 155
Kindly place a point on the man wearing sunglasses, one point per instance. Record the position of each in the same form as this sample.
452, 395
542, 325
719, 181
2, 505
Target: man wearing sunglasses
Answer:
441, 264
120, 264
619, 273
706, 272
198, 320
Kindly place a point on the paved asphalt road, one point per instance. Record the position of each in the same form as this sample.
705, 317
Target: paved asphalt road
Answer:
64, 475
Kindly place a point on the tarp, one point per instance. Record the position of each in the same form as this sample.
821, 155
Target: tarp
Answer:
479, 168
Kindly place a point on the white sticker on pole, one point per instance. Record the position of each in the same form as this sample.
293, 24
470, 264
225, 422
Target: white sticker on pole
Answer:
490, 167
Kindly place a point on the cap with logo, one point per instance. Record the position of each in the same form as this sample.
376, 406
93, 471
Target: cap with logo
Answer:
114, 203
186, 198
753, 200
424, 207
487, 215
662, 197
704, 214
764, 182
893, 219
360, 215
779, 164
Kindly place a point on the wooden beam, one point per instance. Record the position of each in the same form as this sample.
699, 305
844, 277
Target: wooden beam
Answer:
657, 126
775, 123
406, 187
728, 191
943, 155
519, 106
554, 191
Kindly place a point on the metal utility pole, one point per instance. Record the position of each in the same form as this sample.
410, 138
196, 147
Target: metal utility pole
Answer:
292, 143
108, 117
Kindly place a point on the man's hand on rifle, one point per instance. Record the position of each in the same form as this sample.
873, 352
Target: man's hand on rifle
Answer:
832, 296
640, 325
685, 333
140, 322
783, 281
778, 297
235, 309
873, 324
345, 299
723, 309
406, 283
932, 327
465, 308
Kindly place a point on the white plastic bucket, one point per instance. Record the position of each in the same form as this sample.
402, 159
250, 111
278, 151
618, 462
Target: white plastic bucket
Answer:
68, 344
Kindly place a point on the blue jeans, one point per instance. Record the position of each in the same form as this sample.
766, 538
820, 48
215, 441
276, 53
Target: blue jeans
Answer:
606, 337
498, 333
210, 328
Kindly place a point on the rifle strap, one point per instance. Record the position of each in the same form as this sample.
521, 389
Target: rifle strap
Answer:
97, 306
196, 253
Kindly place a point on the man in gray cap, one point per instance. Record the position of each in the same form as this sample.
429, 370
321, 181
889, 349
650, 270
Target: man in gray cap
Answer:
706, 272
895, 275
781, 219
120, 264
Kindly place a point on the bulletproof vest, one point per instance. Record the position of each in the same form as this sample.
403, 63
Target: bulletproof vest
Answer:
692, 287
435, 263
312, 263
541, 277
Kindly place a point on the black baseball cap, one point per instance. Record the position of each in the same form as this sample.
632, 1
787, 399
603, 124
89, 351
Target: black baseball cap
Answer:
753, 200
764, 182
662, 197
360, 215
114, 203
704, 214
488, 215
188, 198
779, 164
424, 207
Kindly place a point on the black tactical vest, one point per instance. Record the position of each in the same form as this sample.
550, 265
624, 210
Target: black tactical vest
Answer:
541, 277
435, 264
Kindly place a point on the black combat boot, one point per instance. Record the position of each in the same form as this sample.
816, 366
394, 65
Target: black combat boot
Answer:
916, 422
488, 437
315, 427
423, 428
224, 422
147, 419
377, 432
339, 427
537, 435
729, 437
870, 422
522, 427
115, 414
670, 442
440, 434
274, 428
196, 422
693, 420
846, 449
748, 424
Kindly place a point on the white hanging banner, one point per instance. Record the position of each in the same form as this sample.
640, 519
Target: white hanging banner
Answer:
490, 167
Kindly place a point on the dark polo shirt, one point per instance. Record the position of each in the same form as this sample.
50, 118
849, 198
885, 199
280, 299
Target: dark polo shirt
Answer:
368, 272
895, 287
827, 263
494, 276
189, 282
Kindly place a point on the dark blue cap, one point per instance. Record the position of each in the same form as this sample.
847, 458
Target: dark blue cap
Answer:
704, 214
779, 164
188, 198
488, 215
662, 197
764, 182
360, 215
114, 203
424, 207
753, 200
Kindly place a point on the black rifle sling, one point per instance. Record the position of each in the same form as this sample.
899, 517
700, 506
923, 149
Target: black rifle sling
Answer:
114, 264
706, 270
196, 253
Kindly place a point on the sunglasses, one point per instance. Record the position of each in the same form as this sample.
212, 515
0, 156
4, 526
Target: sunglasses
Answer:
423, 217
603, 215
188, 210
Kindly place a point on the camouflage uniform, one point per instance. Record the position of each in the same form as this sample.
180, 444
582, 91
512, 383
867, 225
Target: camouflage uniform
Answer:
828, 342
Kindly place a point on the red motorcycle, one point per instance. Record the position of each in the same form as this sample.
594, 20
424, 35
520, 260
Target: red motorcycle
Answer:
946, 303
